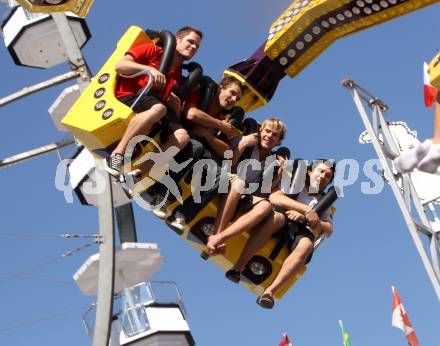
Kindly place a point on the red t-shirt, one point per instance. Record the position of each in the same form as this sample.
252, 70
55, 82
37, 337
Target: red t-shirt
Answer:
193, 99
148, 54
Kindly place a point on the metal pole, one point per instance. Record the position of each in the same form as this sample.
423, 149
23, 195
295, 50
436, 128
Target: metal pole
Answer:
73, 51
40, 86
126, 223
27, 155
384, 155
104, 299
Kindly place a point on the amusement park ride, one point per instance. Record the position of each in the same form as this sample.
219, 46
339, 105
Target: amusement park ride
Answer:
90, 111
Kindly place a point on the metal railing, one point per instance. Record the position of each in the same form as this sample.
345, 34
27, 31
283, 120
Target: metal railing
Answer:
129, 306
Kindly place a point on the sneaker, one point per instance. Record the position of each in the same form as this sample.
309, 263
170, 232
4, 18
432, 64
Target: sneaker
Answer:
178, 223
128, 182
113, 164
233, 275
161, 212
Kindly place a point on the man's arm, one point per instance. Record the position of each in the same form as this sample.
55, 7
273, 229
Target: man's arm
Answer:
282, 162
128, 66
245, 142
215, 143
198, 117
280, 199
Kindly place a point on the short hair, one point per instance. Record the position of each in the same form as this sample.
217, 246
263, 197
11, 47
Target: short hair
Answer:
277, 124
228, 80
330, 163
186, 30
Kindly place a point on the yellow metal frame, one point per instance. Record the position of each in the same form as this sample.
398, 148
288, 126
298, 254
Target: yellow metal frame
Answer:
434, 71
84, 121
97, 134
234, 247
79, 7
295, 26
251, 99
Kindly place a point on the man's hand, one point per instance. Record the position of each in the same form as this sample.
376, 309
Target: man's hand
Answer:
174, 103
159, 79
312, 218
249, 140
226, 128
282, 161
293, 215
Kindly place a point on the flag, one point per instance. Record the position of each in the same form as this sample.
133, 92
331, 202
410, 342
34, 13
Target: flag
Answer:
400, 320
285, 341
345, 336
430, 91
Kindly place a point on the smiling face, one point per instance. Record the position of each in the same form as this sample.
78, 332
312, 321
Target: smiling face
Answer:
270, 136
187, 45
229, 95
320, 176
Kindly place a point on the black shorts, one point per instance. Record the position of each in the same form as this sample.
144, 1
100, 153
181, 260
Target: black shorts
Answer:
296, 233
146, 102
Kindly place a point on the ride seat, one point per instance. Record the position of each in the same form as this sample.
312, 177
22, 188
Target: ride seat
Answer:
98, 119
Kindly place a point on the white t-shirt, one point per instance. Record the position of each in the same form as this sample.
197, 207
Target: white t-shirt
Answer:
312, 200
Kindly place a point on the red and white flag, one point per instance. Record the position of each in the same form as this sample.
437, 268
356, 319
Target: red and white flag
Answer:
400, 320
285, 341
430, 91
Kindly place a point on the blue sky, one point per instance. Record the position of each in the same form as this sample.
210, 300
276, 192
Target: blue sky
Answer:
350, 276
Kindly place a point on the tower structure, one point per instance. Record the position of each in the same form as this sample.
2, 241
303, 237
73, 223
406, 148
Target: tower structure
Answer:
143, 313
417, 193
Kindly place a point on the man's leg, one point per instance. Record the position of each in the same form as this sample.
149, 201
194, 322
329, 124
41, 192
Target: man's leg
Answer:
291, 265
258, 238
220, 208
141, 123
230, 205
244, 223
179, 138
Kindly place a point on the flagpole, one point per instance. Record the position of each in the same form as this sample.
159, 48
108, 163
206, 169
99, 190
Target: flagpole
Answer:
341, 326
345, 337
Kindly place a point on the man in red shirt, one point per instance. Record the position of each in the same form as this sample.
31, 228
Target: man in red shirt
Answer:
161, 101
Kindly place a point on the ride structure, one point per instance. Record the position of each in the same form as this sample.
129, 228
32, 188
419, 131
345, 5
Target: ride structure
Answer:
301, 33
434, 71
143, 312
79, 7
98, 121
417, 193
261, 74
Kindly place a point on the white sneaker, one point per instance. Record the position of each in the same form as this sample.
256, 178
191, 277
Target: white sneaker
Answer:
161, 212
113, 164
128, 181
178, 223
